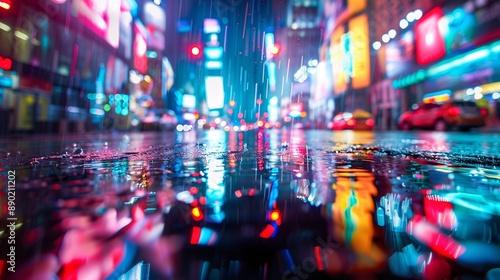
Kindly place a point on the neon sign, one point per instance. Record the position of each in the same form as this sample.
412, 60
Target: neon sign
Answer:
429, 41
350, 55
5, 63
140, 48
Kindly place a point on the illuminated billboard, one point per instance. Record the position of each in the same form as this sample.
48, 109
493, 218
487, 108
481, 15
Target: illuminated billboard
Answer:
360, 52
350, 55
140, 48
125, 37
458, 28
154, 20
214, 89
211, 25
430, 44
337, 58
471, 24
400, 55
189, 101
100, 16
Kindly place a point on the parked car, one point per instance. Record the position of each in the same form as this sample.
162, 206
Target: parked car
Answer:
149, 122
357, 120
168, 121
158, 120
461, 115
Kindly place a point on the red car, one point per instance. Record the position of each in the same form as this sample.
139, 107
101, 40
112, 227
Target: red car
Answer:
357, 120
444, 116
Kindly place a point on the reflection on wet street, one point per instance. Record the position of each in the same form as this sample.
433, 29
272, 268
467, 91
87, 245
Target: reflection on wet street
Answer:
269, 204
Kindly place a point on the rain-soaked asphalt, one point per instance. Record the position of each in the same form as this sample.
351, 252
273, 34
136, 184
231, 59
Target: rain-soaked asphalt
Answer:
271, 204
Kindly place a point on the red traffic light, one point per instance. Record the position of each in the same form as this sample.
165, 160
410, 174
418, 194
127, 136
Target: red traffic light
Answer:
275, 49
195, 51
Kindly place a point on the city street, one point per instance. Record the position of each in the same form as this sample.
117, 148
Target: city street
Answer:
260, 204
249, 139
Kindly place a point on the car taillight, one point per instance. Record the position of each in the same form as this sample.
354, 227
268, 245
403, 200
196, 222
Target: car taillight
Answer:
370, 122
454, 111
351, 122
484, 112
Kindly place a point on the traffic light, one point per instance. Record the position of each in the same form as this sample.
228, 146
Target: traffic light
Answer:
275, 49
195, 52
272, 48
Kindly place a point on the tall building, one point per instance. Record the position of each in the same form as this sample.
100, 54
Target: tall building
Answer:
345, 49
296, 65
238, 77
59, 61
75, 66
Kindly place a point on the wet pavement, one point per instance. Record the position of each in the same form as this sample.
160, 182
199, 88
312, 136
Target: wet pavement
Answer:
268, 204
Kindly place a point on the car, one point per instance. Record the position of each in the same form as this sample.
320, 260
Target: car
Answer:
453, 114
168, 121
158, 120
213, 123
149, 122
357, 120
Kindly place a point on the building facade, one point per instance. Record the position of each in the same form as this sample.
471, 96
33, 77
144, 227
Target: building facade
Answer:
74, 65
456, 55
345, 55
430, 51
63, 57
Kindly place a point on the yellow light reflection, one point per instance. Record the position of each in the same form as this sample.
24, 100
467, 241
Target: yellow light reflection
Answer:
352, 217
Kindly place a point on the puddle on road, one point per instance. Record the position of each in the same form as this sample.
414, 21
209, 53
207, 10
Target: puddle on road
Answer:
260, 205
